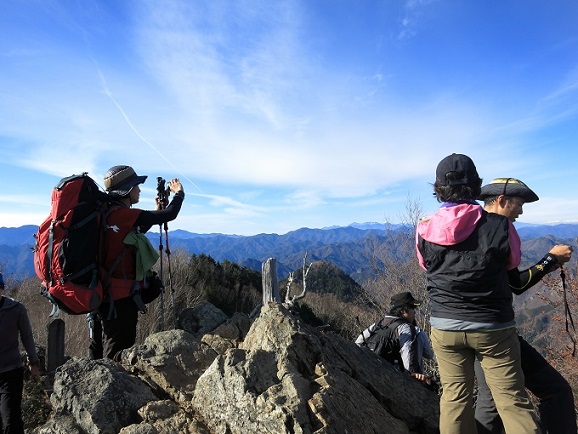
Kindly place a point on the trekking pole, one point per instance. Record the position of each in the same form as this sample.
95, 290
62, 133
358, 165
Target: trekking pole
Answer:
162, 325
567, 312
171, 288
162, 199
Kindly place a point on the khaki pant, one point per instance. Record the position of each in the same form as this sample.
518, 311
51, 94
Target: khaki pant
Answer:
499, 354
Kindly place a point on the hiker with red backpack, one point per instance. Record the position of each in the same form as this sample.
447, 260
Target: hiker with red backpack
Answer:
397, 338
118, 314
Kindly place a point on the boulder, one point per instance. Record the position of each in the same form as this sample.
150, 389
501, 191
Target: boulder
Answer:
287, 377
170, 362
273, 375
95, 396
201, 319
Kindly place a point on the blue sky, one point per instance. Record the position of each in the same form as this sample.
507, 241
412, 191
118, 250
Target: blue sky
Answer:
288, 114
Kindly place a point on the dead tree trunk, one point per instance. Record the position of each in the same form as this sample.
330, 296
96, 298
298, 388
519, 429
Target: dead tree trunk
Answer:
55, 345
270, 283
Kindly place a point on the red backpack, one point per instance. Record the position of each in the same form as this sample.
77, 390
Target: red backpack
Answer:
68, 245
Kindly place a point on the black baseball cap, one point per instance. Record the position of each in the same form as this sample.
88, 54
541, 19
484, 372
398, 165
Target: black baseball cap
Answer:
403, 298
462, 165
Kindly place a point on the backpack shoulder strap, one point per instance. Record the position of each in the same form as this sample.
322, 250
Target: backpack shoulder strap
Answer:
381, 335
386, 342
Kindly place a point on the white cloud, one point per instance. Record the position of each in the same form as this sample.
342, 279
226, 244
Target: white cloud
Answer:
273, 113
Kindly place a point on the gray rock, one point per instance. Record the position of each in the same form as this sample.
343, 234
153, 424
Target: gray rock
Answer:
201, 319
100, 396
171, 362
229, 334
60, 424
274, 375
164, 417
287, 378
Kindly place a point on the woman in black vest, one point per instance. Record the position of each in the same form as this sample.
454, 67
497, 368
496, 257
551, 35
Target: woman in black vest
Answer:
467, 253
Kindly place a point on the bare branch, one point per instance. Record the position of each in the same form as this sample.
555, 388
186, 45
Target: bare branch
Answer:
289, 282
290, 301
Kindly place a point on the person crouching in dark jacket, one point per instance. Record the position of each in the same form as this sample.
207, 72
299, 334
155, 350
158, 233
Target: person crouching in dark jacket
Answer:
397, 338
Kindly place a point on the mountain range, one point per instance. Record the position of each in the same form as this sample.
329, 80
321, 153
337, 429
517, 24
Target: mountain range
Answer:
351, 248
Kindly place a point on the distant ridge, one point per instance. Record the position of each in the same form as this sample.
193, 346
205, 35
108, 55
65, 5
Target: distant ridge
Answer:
24, 235
362, 226
562, 230
351, 248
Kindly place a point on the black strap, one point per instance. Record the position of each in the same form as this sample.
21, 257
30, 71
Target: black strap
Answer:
397, 322
393, 325
85, 220
49, 251
105, 284
136, 297
506, 186
108, 275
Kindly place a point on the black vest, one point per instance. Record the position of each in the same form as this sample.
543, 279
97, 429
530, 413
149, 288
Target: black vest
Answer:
384, 341
468, 281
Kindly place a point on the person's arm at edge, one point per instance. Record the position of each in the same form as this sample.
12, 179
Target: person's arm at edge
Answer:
521, 281
27, 338
365, 335
148, 219
408, 348
428, 352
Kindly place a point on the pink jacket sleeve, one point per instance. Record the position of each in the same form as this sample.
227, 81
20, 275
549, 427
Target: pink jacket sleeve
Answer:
420, 258
515, 248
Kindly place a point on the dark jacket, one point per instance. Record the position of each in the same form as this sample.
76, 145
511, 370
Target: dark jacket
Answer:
467, 253
14, 324
395, 339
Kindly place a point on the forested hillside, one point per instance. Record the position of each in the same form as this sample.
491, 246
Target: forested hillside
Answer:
333, 301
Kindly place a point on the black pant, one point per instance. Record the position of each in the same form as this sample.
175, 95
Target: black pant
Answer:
556, 401
111, 336
11, 385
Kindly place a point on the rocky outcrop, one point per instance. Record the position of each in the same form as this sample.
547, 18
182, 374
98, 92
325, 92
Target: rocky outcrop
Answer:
271, 375
95, 397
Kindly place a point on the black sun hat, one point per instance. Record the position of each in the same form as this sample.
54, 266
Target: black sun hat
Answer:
119, 180
508, 187
403, 298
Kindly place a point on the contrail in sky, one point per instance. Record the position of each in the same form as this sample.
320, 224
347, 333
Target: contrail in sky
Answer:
127, 119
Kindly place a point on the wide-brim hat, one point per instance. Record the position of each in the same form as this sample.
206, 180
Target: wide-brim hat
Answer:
464, 169
508, 187
119, 180
403, 298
